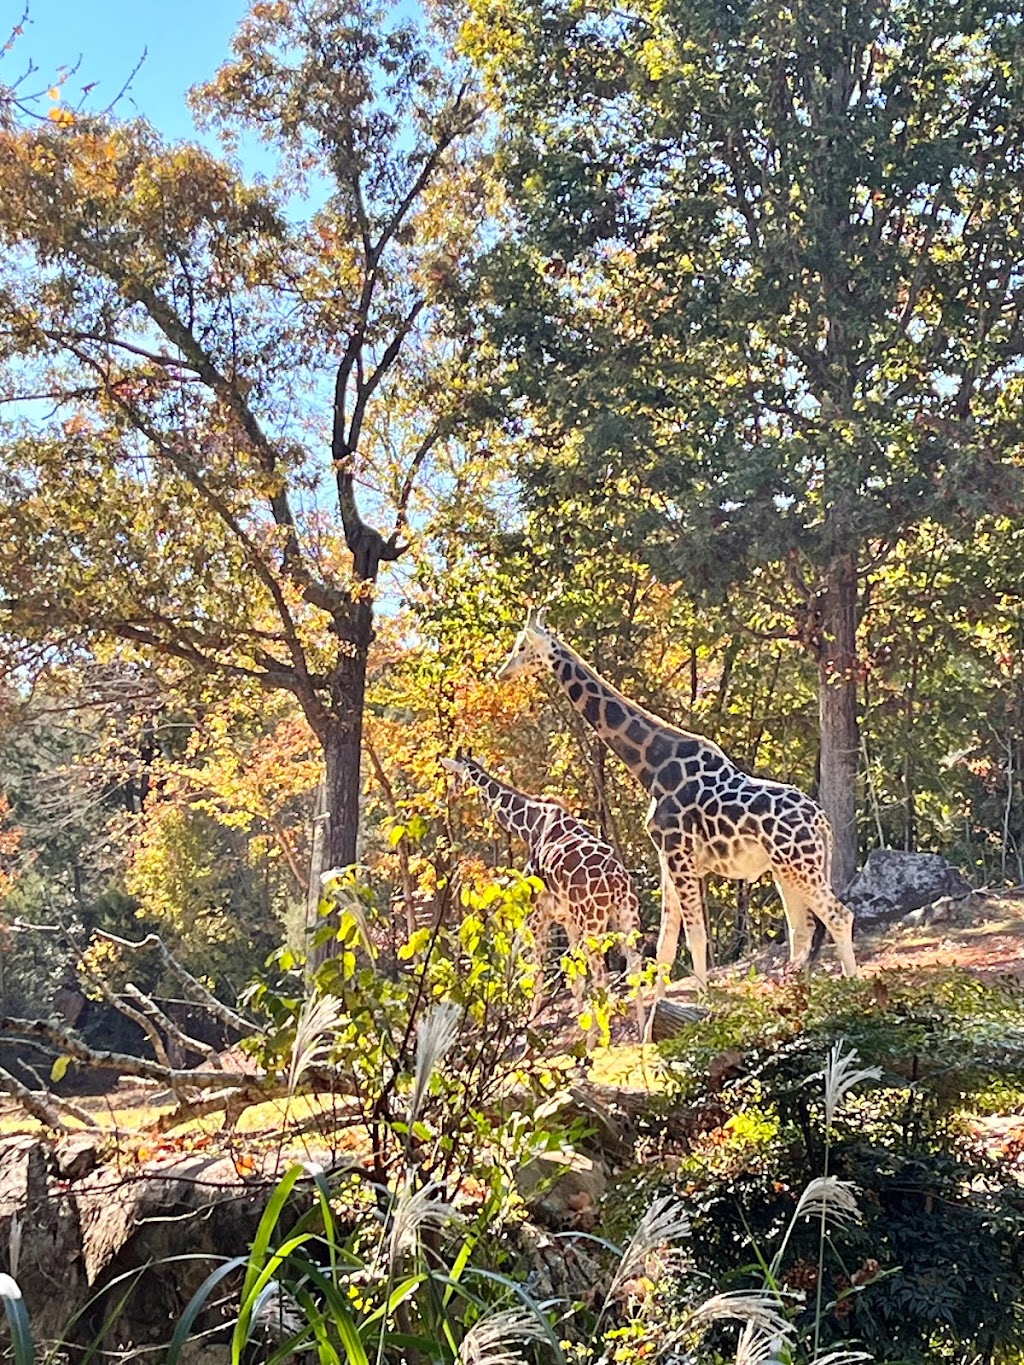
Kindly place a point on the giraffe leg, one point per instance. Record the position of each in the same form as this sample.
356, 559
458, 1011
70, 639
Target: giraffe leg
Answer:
541, 922
799, 921
595, 968
687, 887
627, 923
681, 907
838, 921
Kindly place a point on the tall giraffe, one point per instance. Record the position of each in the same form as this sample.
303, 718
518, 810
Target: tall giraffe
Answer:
586, 888
705, 816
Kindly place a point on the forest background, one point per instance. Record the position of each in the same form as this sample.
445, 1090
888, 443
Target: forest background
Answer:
701, 323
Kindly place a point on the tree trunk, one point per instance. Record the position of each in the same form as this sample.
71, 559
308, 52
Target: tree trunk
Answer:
342, 740
316, 867
837, 702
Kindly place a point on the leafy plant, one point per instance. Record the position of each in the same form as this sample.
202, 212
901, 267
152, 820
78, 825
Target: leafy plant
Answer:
933, 1265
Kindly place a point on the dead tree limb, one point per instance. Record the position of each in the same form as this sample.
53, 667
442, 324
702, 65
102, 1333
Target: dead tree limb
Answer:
154, 943
35, 1102
184, 1040
130, 1012
66, 1043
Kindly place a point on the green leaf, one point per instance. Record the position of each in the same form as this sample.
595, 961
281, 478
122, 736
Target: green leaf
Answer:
196, 1304
415, 944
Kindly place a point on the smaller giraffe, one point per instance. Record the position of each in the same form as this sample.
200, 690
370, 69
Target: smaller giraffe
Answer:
586, 888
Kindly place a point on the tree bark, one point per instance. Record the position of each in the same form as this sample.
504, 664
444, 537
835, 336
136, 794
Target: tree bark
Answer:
342, 740
837, 704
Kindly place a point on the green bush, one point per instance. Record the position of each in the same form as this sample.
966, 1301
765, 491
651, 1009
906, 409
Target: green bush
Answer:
934, 1269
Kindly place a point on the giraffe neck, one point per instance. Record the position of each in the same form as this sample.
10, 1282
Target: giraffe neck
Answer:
516, 812
642, 741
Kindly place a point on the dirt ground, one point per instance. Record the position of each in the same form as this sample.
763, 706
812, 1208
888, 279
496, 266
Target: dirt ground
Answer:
984, 933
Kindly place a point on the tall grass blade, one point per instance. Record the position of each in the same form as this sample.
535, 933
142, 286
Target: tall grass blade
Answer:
196, 1304
251, 1301
265, 1230
22, 1346
339, 1311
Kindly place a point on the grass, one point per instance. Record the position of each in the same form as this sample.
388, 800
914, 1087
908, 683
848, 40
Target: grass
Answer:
142, 1118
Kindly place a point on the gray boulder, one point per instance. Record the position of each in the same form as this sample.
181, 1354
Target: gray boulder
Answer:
891, 884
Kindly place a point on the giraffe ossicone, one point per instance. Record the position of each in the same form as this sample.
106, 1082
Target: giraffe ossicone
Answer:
586, 888
706, 815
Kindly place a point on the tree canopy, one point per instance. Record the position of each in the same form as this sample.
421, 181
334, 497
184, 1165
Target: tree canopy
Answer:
763, 283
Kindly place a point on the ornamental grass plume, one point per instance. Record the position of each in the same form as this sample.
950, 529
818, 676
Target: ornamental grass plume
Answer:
758, 1347
411, 1212
496, 1338
840, 1076
829, 1196
758, 1309
664, 1223
314, 1035
435, 1036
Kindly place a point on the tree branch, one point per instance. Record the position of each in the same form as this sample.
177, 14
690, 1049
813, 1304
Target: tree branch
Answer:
35, 1102
154, 943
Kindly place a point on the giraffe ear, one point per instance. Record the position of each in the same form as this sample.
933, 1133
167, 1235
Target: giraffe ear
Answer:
540, 618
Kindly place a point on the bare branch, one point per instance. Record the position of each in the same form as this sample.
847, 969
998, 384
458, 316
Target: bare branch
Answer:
154, 943
40, 1030
35, 1102
149, 1007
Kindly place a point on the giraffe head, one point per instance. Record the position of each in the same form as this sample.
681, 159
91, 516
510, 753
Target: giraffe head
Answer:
459, 765
533, 650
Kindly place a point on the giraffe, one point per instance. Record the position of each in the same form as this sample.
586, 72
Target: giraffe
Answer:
586, 888
705, 816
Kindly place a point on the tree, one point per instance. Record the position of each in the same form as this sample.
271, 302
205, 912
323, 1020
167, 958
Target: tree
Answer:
764, 286
208, 372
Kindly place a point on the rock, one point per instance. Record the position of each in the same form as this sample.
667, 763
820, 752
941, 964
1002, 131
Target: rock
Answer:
558, 1191
892, 884
558, 1268
68, 1231
41, 1233
77, 1154
69, 1004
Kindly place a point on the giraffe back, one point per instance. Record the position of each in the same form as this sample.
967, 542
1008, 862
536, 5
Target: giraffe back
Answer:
584, 873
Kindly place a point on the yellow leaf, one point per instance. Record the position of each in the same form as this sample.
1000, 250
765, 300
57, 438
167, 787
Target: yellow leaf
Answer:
59, 1068
53, 93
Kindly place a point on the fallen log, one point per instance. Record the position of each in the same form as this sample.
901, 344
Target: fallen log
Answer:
671, 1017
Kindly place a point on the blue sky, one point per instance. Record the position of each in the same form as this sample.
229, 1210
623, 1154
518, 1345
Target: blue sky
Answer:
186, 40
